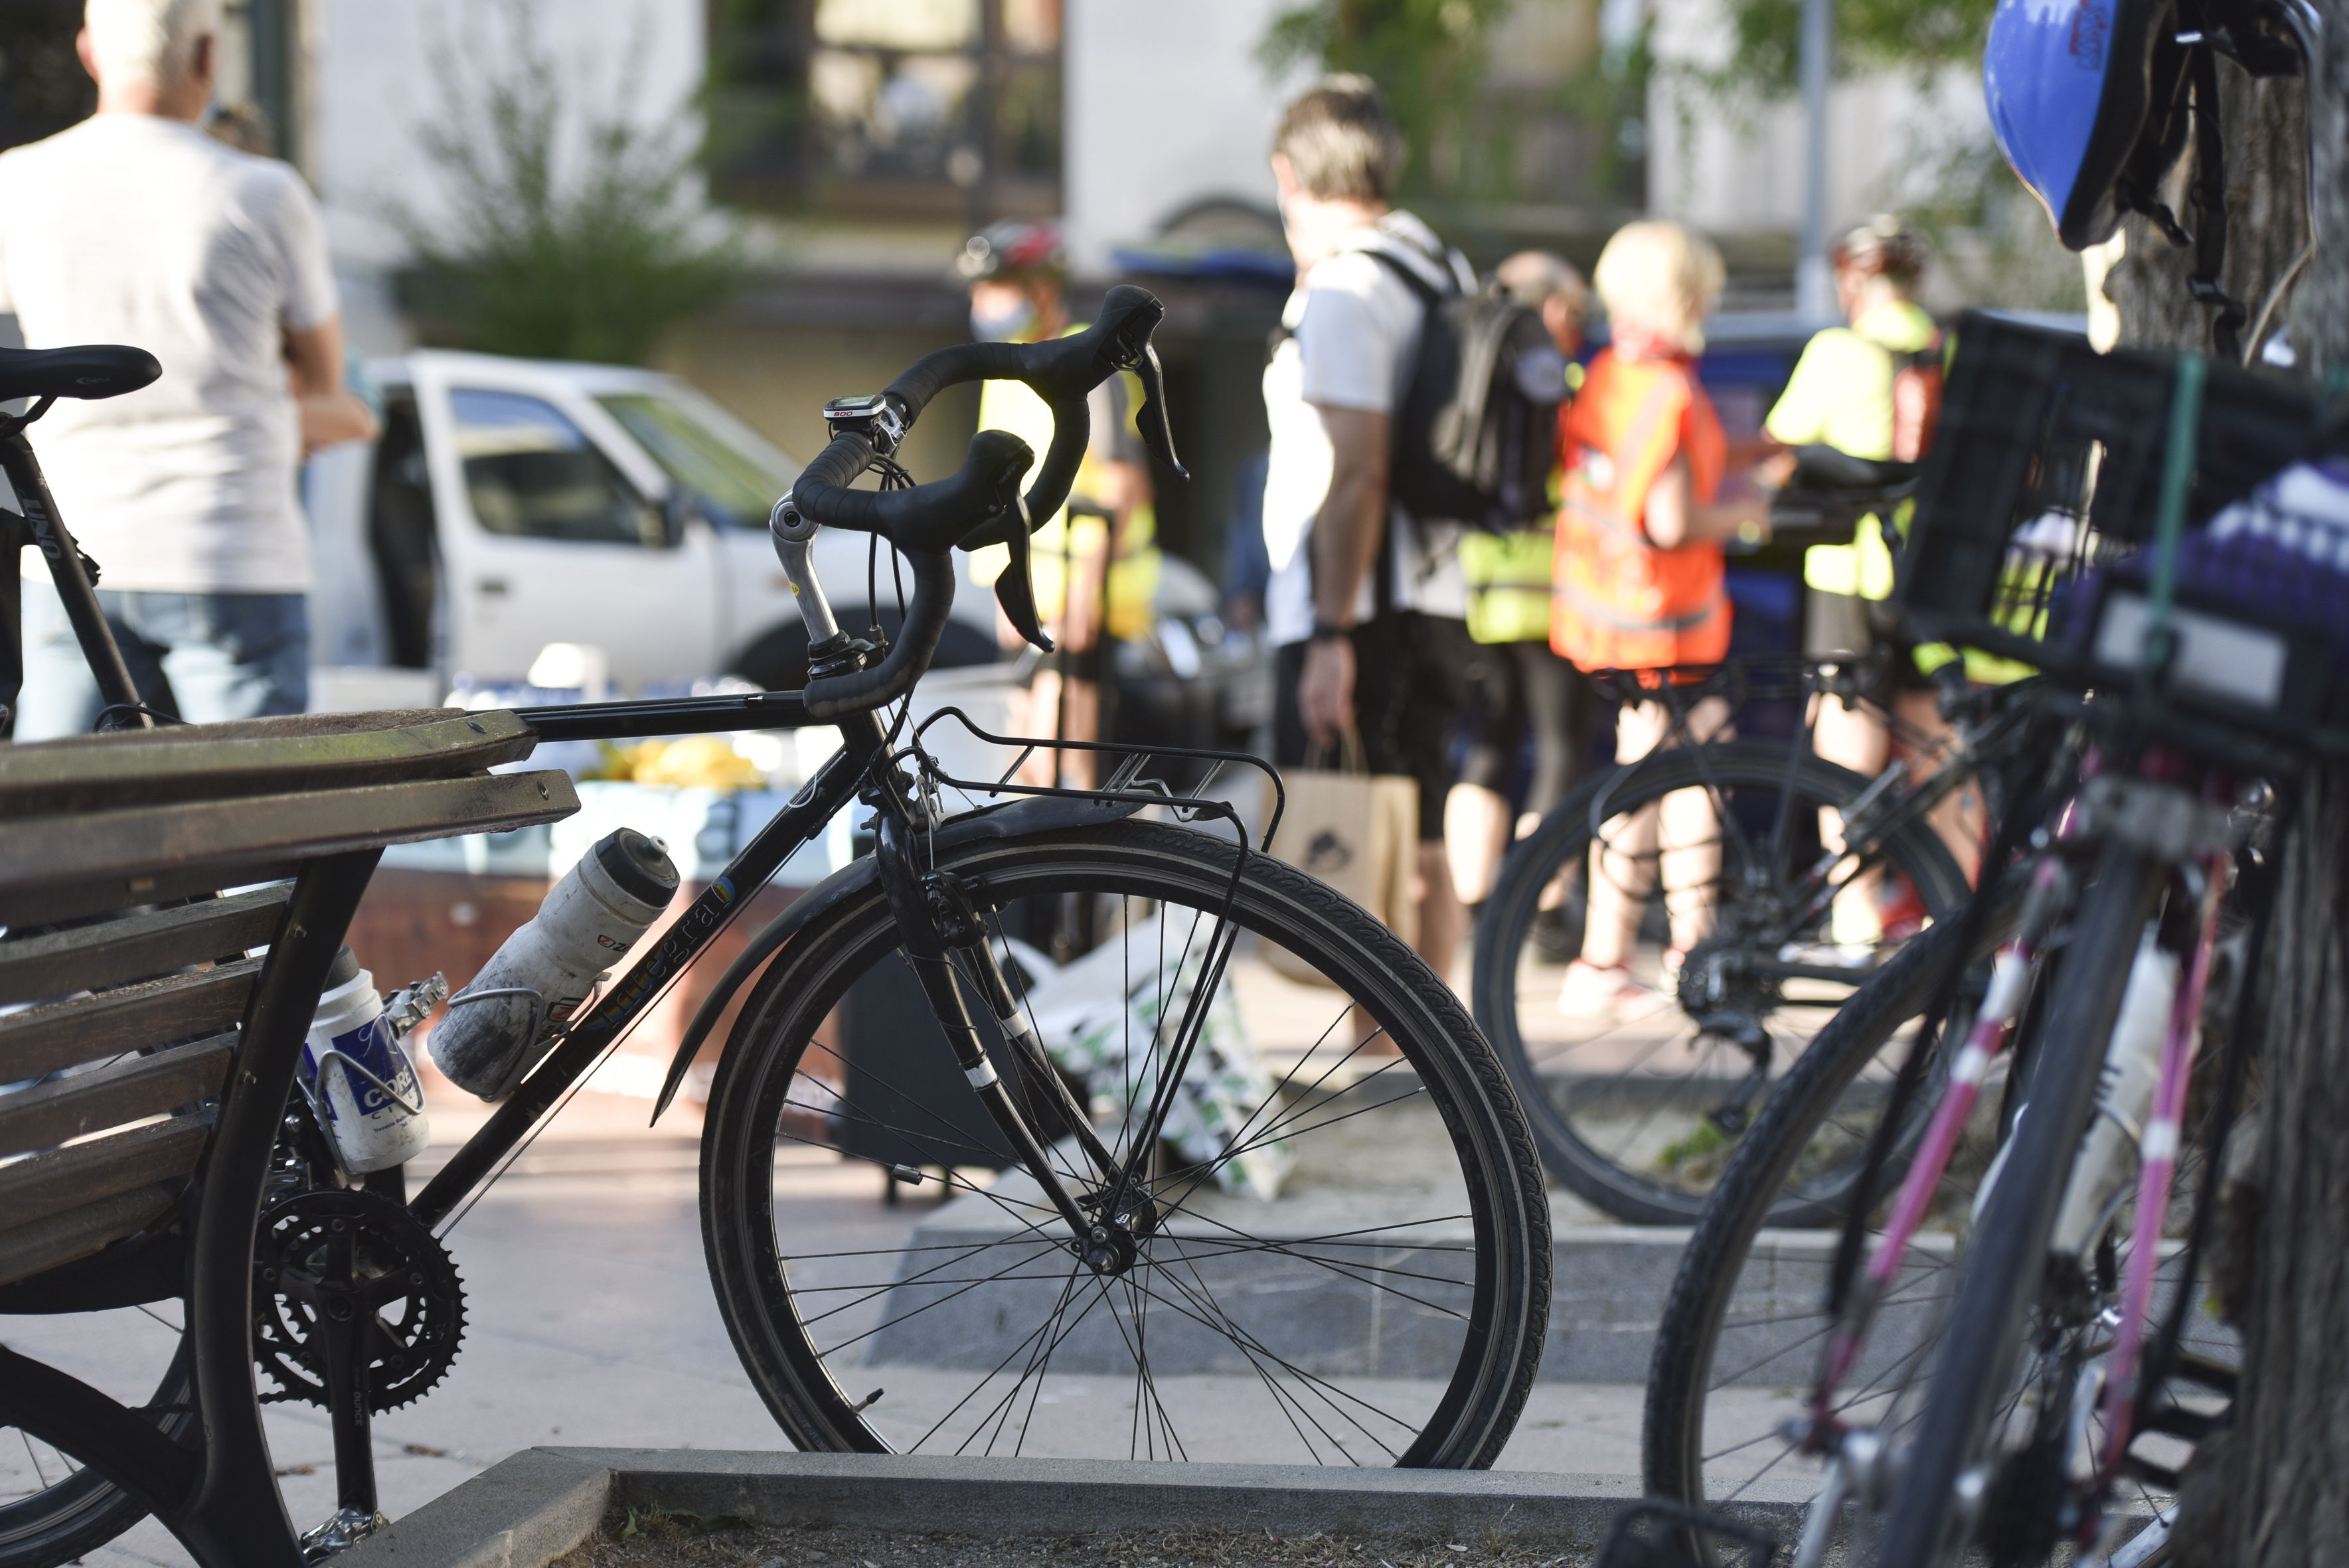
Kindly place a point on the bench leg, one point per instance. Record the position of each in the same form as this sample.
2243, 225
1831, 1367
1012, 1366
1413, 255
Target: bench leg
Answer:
237, 1516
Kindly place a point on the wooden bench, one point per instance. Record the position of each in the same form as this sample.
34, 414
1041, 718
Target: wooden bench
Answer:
165, 1044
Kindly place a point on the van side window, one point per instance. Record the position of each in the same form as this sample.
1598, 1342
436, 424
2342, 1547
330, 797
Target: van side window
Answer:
531, 472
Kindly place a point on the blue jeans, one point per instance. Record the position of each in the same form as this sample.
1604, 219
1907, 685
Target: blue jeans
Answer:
208, 657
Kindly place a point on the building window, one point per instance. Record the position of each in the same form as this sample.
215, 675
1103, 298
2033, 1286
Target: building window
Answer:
942, 108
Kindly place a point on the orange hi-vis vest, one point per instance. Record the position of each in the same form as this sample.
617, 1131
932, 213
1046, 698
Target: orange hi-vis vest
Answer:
1618, 602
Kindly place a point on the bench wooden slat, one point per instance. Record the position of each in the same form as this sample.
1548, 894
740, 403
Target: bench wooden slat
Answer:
28, 1250
53, 868
43, 1040
255, 756
153, 941
57, 1179
89, 1102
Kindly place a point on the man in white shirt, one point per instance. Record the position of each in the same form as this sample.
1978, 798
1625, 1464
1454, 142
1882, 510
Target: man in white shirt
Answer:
1391, 665
136, 227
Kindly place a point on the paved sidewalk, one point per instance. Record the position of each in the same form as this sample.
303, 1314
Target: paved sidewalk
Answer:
591, 1322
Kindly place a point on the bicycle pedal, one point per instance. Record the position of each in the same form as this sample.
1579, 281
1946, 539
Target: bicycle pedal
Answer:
1678, 1536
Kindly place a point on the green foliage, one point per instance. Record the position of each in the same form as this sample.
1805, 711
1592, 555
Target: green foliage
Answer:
1427, 55
534, 257
1870, 34
1988, 231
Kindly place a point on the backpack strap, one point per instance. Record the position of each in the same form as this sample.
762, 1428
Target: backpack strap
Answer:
1429, 297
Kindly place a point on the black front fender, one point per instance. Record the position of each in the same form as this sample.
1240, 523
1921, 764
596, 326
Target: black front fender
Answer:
1017, 819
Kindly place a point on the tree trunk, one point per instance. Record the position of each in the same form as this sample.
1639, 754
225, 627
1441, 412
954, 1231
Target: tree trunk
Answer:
2265, 228
2275, 1491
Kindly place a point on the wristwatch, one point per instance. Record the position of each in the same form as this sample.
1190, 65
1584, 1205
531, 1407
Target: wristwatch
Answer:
1330, 631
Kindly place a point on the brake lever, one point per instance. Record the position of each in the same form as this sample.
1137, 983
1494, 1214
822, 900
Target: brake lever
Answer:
1157, 433
1015, 588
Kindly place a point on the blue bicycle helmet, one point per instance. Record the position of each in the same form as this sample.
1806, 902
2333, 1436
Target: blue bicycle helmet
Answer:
2085, 100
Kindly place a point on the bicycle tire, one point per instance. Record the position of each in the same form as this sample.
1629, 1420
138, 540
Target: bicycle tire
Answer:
66, 1522
1688, 1336
1561, 841
2003, 1268
1501, 1327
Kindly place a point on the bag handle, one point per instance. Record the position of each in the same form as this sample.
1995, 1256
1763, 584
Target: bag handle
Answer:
1352, 757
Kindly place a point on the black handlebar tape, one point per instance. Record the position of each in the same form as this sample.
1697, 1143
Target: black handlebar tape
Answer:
838, 465
934, 373
836, 696
927, 518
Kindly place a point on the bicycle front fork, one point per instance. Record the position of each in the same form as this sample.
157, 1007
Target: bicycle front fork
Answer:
937, 925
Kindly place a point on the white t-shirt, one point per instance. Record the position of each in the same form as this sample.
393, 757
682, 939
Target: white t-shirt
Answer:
131, 228
1353, 334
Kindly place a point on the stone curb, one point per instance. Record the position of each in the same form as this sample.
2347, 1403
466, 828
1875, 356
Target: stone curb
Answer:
533, 1507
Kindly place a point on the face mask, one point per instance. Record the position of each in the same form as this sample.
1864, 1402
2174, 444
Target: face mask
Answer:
1008, 323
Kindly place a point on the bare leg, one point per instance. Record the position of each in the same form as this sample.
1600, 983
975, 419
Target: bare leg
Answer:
1624, 858
1963, 818
1440, 915
1857, 738
1476, 832
1689, 843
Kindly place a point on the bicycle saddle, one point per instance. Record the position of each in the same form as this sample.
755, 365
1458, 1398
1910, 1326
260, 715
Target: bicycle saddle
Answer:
1823, 468
91, 370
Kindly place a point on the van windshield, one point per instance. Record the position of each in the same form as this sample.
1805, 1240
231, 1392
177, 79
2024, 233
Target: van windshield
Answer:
737, 482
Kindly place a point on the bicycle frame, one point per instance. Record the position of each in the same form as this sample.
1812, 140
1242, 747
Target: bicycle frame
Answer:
802, 821
1890, 803
903, 807
2198, 842
33, 521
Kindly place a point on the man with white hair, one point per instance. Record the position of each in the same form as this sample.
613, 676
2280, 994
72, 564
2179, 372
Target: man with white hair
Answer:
136, 227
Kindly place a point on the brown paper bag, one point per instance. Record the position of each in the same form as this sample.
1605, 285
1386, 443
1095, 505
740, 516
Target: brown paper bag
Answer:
1356, 831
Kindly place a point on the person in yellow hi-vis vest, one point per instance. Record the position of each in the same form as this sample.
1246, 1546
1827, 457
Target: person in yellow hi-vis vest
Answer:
1866, 390
1523, 687
1017, 273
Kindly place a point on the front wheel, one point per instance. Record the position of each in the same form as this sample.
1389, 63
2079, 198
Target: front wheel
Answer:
2006, 1277
1638, 1099
1343, 1252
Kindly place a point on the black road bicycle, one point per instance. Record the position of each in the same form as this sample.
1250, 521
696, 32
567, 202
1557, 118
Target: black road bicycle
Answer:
1639, 1106
1239, 1216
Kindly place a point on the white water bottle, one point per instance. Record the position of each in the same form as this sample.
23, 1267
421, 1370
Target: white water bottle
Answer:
368, 1100
499, 1025
2125, 1090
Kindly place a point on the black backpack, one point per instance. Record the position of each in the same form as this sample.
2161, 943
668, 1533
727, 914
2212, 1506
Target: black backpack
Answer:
1478, 433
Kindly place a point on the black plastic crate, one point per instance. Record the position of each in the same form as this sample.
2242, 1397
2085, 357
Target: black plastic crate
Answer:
2047, 465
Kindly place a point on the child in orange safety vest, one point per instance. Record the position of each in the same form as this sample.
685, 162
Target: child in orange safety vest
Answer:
1638, 584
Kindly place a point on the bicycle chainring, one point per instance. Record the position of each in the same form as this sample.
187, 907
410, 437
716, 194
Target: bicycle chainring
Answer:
360, 1259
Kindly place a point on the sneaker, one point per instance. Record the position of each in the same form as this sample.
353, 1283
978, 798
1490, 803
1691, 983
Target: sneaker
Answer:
1608, 994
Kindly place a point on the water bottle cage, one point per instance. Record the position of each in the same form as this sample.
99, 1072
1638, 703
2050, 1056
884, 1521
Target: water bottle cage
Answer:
409, 1005
528, 1052
353, 1065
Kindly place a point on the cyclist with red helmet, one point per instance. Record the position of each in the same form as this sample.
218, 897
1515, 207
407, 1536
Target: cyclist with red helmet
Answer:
1017, 273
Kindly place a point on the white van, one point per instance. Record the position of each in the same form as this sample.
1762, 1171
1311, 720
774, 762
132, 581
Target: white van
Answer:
512, 503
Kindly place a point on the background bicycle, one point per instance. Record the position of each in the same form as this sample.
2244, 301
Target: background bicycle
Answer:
2008, 1340
1637, 1104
